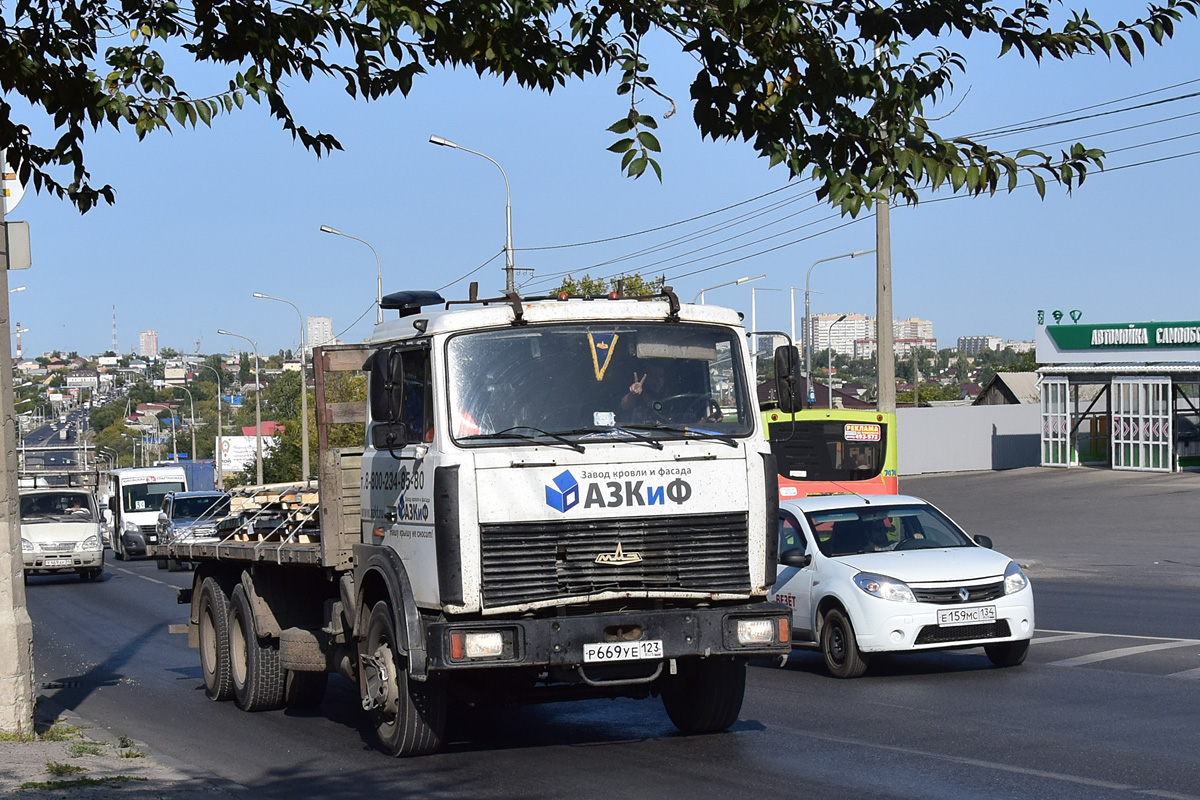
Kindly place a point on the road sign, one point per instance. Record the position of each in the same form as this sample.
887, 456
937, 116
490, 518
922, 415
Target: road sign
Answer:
11, 187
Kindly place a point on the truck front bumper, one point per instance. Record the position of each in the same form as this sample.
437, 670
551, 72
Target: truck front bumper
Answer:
561, 641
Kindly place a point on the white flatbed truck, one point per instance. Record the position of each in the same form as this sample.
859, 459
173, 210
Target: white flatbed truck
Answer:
521, 526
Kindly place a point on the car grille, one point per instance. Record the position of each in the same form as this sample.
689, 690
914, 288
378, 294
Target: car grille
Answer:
933, 634
57, 547
529, 562
948, 595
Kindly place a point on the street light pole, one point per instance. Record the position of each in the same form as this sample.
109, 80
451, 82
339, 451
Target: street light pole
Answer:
304, 473
378, 270
257, 404
510, 284
808, 334
830, 387
220, 475
700, 295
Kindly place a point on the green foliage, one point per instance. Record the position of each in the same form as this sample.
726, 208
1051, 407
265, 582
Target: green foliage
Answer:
633, 285
81, 749
58, 769
833, 91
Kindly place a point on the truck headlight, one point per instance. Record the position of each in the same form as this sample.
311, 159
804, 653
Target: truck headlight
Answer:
755, 631
27, 546
1014, 579
90, 543
130, 527
499, 644
883, 587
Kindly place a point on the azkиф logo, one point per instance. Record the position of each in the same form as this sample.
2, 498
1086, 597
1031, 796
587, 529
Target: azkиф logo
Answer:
564, 494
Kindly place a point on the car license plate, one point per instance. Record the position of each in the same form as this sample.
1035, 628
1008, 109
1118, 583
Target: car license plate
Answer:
57, 562
623, 651
966, 616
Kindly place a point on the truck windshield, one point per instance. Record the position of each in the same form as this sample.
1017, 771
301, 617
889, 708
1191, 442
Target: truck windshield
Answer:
147, 496
586, 381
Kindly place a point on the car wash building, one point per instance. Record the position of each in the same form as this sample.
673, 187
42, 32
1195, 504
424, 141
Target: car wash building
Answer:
1120, 394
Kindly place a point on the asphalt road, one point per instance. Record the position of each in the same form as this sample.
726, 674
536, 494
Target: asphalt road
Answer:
1105, 706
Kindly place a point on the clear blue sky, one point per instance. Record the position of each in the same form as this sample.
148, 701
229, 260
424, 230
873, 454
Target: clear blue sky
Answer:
203, 218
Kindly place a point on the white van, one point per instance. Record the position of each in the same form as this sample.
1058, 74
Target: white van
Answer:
135, 498
60, 532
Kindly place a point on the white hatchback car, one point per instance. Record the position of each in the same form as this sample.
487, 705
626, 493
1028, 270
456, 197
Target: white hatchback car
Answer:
891, 573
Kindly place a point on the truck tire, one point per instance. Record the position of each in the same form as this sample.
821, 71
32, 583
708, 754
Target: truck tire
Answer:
258, 677
705, 695
304, 689
839, 645
214, 641
409, 717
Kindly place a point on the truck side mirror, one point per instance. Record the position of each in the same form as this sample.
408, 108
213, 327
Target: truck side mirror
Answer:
387, 385
787, 368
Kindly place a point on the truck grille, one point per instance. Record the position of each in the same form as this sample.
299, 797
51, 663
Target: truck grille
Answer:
57, 547
528, 562
947, 595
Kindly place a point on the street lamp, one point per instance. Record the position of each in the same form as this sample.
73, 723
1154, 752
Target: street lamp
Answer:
699, 298
378, 271
17, 289
304, 473
808, 318
192, 405
835, 322
257, 404
509, 280
220, 476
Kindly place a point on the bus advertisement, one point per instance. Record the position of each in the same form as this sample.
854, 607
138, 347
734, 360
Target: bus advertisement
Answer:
833, 451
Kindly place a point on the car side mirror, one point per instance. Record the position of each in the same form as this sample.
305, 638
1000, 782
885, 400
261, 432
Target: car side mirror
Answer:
795, 558
162, 517
984, 541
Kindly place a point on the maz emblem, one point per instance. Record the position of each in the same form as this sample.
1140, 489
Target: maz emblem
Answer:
619, 557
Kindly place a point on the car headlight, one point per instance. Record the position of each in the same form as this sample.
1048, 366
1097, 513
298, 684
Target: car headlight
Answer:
1014, 579
130, 527
884, 587
90, 543
27, 546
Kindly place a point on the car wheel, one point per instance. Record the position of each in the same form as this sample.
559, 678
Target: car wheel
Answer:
409, 717
705, 695
161, 563
1007, 654
839, 646
214, 641
258, 676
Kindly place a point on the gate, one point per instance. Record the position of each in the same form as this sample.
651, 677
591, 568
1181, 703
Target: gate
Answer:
1141, 424
1057, 449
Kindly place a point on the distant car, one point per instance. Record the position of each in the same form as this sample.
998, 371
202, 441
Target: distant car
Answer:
190, 517
891, 574
60, 532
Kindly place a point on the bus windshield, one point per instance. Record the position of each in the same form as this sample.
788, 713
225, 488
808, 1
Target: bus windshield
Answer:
147, 496
597, 381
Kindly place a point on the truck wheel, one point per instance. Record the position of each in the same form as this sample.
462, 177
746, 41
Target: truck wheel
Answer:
705, 695
409, 717
214, 641
1007, 654
840, 647
174, 565
160, 563
304, 689
258, 677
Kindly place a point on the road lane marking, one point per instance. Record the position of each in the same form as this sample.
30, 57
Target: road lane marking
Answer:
1120, 636
143, 577
1187, 674
1067, 637
1120, 652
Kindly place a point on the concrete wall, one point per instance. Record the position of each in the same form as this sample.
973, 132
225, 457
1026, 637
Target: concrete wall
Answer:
966, 438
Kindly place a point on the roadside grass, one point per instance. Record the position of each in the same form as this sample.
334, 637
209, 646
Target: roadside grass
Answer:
81, 749
56, 731
78, 782
59, 769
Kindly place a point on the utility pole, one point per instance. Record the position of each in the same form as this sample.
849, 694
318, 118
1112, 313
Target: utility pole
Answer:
885, 359
16, 629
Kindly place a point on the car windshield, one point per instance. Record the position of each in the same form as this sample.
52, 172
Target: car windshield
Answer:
147, 496
56, 507
586, 381
196, 507
876, 528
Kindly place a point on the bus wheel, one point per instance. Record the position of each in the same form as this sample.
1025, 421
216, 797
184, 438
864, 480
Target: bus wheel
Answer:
258, 677
409, 717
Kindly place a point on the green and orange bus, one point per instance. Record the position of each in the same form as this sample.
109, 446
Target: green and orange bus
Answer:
833, 451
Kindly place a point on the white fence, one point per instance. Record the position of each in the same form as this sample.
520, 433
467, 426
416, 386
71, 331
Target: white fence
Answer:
966, 438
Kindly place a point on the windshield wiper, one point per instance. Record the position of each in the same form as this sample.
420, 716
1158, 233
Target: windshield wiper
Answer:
511, 433
687, 432
617, 429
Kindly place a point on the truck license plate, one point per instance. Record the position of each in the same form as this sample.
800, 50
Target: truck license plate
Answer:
57, 562
623, 651
966, 616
